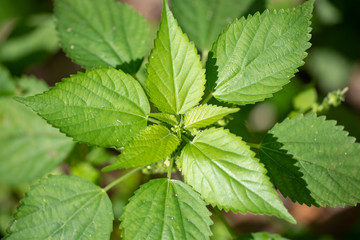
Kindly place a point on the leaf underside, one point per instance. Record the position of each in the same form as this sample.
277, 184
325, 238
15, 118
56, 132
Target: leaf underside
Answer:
258, 55
324, 154
29, 147
101, 33
103, 107
63, 207
175, 79
152, 144
222, 168
166, 209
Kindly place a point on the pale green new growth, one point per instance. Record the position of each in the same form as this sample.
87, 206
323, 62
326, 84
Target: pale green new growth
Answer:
42, 147
166, 209
167, 118
203, 20
222, 168
103, 107
175, 78
63, 207
325, 155
153, 144
204, 115
101, 33
258, 55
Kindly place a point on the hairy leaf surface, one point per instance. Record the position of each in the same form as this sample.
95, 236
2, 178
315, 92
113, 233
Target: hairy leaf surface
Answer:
101, 33
222, 168
103, 107
166, 209
29, 147
203, 20
327, 158
175, 78
63, 207
258, 55
152, 144
204, 115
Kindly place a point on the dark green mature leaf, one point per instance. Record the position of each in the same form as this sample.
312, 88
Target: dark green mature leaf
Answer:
63, 207
258, 55
102, 33
221, 167
7, 86
325, 155
262, 236
175, 78
152, 144
29, 147
203, 20
205, 115
103, 107
166, 209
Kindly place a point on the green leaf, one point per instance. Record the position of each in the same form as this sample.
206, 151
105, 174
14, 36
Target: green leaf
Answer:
258, 55
262, 236
166, 209
170, 119
152, 144
30, 85
305, 100
102, 33
29, 147
7, 86
175, 78
103, 107
63, 207
203, 20
204, 115
325, 155
222, 168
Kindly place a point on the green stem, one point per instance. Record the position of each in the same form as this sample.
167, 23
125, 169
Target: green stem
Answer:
223, 220
154, 120
170, 168
207, 98
254, 145
204, 57
122, 178
185, 138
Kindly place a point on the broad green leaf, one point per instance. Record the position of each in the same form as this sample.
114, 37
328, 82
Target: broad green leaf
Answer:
262, 236
7, 86
103, 107
30, 85
204, 115
152, 144
305, 100
29, 147
166, 209
63, 207
324, 154
222, 168
203, 20
258, 55
175, 79
168, 118
102, 33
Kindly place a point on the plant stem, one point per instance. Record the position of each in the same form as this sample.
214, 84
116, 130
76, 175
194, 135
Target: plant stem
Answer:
254, 145
154, 120
207, 98
122, 178
170, 168
223, 220
185, 138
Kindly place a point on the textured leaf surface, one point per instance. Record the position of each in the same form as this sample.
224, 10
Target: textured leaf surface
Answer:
152, 144
205, 115
326, 156
203, 20
63, 207
168, 118
258, 55
166, 209
175, 78
103, 107
29, 146
262, 236
101, 33
222, 168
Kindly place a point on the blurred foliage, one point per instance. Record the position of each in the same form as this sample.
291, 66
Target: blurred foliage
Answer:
28, 37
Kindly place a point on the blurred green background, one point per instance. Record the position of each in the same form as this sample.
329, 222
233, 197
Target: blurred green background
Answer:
29, 47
